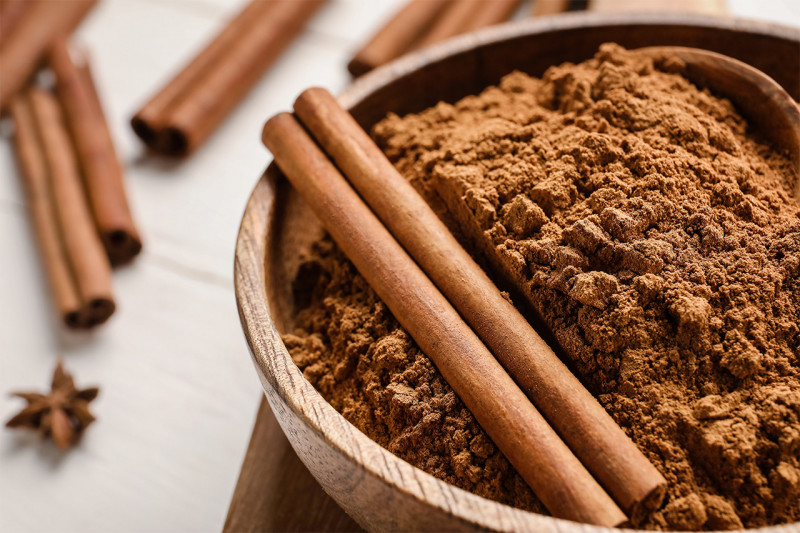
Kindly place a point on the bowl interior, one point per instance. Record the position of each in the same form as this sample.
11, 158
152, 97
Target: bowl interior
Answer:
278, 226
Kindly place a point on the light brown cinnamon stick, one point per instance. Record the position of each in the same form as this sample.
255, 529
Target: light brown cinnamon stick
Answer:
542, 8
581, 421
30, 156
27, 42
501, 408
492, 12
10, 13
101, 168
76, 263
397, 36
186, 112
466, 15
147, 121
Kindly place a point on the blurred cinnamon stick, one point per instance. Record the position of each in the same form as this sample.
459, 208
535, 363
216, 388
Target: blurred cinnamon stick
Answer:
10, 12
28, 40
185, 113
542, 8
75, 262
462, 16
102, 171
560, 481
397, 36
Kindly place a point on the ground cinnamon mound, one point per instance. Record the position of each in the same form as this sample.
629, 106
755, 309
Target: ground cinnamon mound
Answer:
656, 237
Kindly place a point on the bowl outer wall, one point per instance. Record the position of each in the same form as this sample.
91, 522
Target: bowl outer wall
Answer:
377, 489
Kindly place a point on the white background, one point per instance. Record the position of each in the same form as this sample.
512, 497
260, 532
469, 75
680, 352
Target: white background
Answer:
179, 392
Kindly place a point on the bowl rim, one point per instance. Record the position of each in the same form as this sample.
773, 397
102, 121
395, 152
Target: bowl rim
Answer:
272, 360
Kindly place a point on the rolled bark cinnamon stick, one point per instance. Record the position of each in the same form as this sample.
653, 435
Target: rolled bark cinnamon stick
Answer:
397, 36
30, 156
581, 421
500, 407
180, 118
88, 263
492, 12
542, 8
27, 42
10, 13
101, 168
466, 15
147, 121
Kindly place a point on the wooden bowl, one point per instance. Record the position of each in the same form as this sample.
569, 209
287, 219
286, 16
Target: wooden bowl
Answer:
380, 491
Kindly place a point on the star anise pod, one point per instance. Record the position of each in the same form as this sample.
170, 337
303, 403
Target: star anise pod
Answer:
62, 415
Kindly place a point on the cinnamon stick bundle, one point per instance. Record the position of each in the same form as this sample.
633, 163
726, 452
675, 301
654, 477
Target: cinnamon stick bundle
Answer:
101, 168
462, 16
30, 37
187, 110
501, 408
75, 262
397, 36
590, 432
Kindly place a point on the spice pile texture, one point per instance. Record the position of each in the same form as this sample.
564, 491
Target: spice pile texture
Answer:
657, 239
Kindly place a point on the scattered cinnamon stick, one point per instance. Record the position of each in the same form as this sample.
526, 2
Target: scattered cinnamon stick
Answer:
101, 168
397, 36
581, 421
75, 262
557, 477
188, 109
30, 37
10, 12
542, 8
466, 15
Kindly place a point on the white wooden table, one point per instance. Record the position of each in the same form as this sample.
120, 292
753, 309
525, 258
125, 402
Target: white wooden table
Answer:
179, 392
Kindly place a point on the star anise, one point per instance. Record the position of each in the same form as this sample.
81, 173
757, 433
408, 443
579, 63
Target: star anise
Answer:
62, 415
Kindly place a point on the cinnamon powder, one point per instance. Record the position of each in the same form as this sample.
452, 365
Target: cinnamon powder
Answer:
653, 234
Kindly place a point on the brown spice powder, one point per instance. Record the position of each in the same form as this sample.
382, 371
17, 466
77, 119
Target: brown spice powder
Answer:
654, 235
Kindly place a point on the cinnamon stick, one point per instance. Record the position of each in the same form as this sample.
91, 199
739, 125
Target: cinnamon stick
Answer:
501, 408
74, 258
40, 204
466, 15
10, 12
101, 168
542, 8
397, 36
185, 113
30, 37
581, 421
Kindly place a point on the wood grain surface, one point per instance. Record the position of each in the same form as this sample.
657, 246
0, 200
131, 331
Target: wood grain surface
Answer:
276, 492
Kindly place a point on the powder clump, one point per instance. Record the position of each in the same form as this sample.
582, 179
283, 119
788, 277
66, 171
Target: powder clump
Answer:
653, 234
